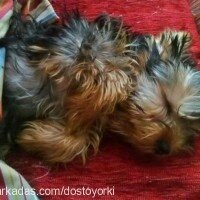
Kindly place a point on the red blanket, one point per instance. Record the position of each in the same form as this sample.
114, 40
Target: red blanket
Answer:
118, 165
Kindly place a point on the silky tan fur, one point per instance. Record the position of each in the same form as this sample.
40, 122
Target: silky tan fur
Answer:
162, 115
65, 85
63, 82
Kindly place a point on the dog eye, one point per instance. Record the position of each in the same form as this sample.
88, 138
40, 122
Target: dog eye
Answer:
162, 147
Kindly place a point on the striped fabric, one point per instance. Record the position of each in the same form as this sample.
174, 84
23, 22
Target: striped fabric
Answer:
195, 8
14, 186
6, 10
2, 59
43, 12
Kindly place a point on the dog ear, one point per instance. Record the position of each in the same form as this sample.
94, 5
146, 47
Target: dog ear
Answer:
173, 44
190, 108
180, 80
181, 87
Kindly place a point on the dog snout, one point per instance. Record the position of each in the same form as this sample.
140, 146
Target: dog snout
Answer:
162, 147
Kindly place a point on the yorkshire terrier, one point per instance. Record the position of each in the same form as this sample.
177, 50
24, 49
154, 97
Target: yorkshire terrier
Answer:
64, 84
162, 115
61, 83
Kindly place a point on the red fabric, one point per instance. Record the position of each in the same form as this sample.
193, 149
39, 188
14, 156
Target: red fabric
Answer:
117, 164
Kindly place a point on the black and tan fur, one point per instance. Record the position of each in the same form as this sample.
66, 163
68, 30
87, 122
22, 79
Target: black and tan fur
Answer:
61, 83
162, 116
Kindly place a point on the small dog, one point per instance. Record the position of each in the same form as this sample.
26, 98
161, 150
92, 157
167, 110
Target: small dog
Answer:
61, 83
65, 84
162, 115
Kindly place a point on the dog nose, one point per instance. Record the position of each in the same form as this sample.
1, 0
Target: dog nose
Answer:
162, 147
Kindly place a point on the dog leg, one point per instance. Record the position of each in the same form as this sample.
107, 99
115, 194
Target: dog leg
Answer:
54, 142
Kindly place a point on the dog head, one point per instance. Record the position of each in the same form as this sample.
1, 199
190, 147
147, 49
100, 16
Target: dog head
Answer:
162, 115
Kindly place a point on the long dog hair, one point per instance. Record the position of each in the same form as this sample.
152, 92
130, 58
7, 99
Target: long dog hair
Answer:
162, 115
61, 82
